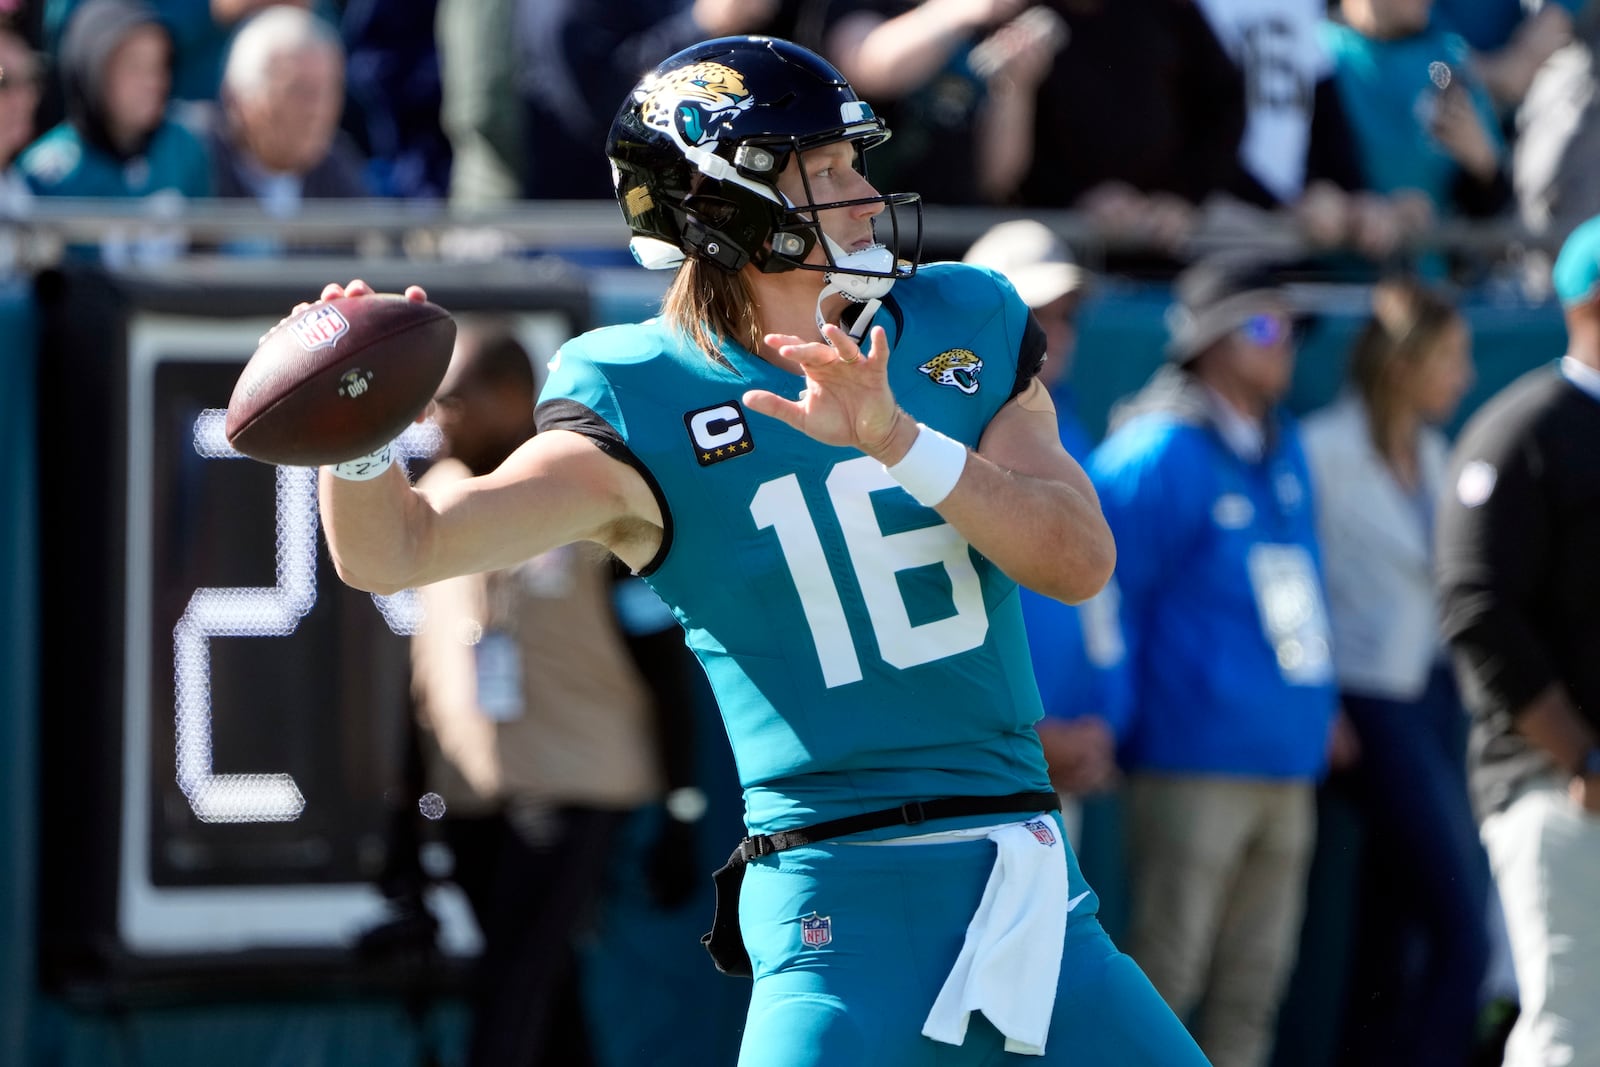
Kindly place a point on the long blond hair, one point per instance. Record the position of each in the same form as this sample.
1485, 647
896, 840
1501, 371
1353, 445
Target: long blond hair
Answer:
711, 305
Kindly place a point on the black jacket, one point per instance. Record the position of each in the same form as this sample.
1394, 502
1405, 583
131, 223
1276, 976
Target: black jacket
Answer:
1519, 569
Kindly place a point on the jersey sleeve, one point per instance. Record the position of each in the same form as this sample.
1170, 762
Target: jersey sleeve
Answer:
578, 396
1022, 332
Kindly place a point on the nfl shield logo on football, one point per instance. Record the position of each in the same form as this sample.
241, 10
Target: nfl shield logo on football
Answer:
319, 328
816, 930
1042, 830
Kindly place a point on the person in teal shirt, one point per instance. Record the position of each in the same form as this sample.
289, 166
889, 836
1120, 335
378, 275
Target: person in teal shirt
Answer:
117, 139
1419, 116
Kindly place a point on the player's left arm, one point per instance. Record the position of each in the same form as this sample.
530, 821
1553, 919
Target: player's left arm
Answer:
1024, 502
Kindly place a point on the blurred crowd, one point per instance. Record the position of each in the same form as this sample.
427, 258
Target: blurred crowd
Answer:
1362, 122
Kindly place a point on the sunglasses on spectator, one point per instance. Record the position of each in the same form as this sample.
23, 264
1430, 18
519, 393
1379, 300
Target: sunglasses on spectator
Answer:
1267, 328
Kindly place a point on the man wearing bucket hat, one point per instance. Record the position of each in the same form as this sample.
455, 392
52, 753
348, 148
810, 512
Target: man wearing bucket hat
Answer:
1519, 584
1207, 491
1077, 648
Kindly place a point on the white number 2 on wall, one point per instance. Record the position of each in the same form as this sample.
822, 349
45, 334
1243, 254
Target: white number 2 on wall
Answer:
259, 611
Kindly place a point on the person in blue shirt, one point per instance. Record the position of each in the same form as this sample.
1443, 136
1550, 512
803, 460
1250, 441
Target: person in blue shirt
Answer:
1206, 488
117, 139
841, 533
1078, 651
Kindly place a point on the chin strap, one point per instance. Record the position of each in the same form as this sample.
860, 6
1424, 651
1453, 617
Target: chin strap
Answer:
867, 289
858, 329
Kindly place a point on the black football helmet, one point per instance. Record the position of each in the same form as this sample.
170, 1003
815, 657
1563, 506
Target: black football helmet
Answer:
697, 148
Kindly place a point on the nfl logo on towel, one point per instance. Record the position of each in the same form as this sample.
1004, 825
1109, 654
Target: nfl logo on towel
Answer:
816, 930
319, 328
1042, 830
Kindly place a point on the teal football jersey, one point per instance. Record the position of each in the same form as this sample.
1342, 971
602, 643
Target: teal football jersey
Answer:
861, 652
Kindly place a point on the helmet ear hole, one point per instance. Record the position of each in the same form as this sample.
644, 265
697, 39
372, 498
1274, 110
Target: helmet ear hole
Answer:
714, 211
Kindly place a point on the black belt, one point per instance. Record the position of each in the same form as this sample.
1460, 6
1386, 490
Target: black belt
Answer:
725, 941
910, 814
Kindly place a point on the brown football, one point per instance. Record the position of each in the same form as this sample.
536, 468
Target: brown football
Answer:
339, 379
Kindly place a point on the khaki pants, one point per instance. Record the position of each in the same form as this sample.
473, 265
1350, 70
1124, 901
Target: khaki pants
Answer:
1545, 855
1218, 868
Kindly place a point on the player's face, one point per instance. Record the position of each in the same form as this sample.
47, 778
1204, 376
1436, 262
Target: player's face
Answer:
1444, 375
137, 80
828, 175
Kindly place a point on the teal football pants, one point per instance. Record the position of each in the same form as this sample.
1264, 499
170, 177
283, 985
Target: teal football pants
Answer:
851, 944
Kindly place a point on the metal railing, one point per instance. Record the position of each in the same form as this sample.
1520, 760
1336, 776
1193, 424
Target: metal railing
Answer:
433, 230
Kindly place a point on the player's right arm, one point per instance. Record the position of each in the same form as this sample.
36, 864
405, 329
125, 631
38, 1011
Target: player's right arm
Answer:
386, 535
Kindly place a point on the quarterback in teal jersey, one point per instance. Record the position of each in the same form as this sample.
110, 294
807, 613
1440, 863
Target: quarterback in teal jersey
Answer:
841, 533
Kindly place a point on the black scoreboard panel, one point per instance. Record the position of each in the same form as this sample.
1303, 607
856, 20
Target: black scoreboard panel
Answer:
224, 721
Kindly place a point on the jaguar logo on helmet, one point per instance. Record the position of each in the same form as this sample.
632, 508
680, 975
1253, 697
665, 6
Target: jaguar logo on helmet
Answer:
685, 103
706, 137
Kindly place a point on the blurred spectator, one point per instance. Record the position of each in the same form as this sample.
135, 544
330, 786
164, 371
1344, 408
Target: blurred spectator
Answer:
1510, 39
956, 80
277, 137
576, 56
1557, 140
478, 85
392, 76
1519, 581
539, 734
1422, 120
1275, 44
1078, 652
20, 77
199, 29
1138, 121
1298, 151
1205, 486
117, 140
1378, 464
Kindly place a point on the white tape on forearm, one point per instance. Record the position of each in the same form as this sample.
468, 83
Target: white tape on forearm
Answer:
365, 468
931, 467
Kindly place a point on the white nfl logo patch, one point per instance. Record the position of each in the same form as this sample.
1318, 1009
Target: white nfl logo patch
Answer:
319, 328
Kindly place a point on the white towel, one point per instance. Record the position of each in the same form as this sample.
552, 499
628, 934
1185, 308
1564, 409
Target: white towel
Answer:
1011, 960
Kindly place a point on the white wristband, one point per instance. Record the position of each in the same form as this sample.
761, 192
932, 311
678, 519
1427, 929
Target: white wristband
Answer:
365, 468
931, 467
